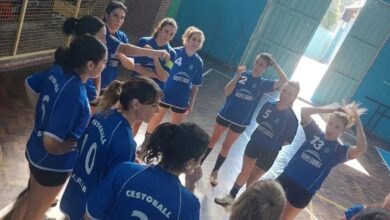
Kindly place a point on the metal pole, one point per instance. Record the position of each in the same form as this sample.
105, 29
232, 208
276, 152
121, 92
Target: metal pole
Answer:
20, 26
78, 5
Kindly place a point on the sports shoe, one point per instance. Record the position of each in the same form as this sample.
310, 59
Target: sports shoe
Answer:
227, 200
214, 178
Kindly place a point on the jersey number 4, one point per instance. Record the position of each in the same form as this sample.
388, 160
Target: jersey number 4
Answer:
179, 61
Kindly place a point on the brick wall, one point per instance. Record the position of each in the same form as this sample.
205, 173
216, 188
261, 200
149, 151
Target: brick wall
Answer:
143, 15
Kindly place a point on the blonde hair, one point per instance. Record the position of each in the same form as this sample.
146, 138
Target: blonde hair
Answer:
164, 22
189, 32
262, 201
346, 112
145, 90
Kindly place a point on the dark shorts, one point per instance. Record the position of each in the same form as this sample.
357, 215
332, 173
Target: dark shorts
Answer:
295, 194
265, 157
227, 124
48, 178
174, 109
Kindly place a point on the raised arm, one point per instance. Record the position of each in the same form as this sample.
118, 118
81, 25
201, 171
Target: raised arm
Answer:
361, 142
135, 51
232, 84
145, 72
281, 75
126, 61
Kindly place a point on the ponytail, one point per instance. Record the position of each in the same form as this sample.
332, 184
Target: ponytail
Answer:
145, 90
110, 96
346, 112
173, 145
86, 25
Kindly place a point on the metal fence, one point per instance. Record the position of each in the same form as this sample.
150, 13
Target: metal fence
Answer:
31, 27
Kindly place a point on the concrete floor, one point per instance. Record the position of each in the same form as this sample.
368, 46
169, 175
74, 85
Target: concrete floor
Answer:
345, 186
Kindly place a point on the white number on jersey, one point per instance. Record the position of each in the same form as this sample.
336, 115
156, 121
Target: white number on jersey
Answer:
317, 143
91, 154
178, 61
267, 113
45, 99
139, 215
243, 80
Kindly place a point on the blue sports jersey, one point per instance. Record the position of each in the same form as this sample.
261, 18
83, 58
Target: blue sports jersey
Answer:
275, 127
315, 159
241, 104
34, 82
133, 191
148, 63
107, 142
62, 112
354, 210
112, 66
186, 72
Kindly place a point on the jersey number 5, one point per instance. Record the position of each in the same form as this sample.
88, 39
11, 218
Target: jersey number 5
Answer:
91, 154
266, 113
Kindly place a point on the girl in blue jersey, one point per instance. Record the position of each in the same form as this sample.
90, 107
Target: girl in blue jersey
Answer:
108, 141
321, 151
277, 126
183, 82
62, 114
151, 66
133, 191
73, 26
243, 94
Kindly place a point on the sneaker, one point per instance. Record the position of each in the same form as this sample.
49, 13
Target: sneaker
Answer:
227, 200
214, 178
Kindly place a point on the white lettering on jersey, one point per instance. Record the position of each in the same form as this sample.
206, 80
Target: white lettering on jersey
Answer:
149, 199
266, 129
53, 80
97, 124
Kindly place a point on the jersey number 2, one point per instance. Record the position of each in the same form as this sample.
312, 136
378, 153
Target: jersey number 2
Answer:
243, 80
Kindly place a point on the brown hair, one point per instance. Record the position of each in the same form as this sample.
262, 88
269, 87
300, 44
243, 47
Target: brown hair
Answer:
141, 88
189, 32
267, 57
261, 201
164, 22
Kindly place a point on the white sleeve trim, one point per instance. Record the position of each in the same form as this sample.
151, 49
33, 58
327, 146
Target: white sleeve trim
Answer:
304, 125
53, 136
89, 214
29, 87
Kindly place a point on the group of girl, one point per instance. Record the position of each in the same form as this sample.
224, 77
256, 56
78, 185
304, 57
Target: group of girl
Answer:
98, 151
